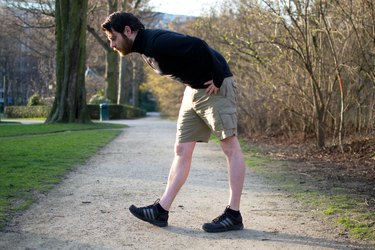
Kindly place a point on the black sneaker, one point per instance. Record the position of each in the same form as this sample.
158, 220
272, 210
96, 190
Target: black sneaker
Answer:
150, 214
223, 223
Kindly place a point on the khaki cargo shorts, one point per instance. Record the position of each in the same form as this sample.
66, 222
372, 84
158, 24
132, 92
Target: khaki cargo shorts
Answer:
201, 114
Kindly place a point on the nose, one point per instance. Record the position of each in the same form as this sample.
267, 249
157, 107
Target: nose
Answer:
112, 44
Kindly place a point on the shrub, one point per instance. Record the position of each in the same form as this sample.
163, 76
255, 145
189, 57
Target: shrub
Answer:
98, 98
35, 100
117, 111
27, 111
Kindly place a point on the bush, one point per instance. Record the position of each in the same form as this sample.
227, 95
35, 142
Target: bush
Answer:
98, 99
27, 111
35, 100
117, 111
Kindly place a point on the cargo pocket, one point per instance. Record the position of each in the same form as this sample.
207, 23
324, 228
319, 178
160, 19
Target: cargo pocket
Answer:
229, 90
228, 118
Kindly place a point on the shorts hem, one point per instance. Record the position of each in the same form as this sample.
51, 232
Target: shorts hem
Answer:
222, 135
192, 140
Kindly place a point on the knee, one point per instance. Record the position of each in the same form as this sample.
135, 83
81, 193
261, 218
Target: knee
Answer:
183, 150
178, 149
231, 146
228, 151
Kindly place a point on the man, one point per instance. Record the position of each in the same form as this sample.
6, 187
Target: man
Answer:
208, 105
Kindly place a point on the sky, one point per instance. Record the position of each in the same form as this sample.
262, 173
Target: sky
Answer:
183, 7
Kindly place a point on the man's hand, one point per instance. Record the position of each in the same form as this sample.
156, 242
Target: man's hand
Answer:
211, 89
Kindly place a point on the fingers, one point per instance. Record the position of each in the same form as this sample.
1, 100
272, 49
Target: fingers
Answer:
211, 89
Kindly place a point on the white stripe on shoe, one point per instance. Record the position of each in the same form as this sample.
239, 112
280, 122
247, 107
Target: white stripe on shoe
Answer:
226, 222
149, 213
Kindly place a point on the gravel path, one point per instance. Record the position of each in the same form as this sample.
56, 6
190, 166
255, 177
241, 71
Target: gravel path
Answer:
89, 209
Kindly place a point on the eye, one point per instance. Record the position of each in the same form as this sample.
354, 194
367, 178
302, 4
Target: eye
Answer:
111, 38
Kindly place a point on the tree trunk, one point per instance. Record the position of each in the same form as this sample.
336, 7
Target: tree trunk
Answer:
112, 76
6, 85
127, 79
112, 65
111, 73
135, 86
319, 114
320, 131
70, 100
122, 78
122, 68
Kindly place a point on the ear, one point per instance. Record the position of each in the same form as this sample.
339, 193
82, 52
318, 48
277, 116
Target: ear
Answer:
127, 31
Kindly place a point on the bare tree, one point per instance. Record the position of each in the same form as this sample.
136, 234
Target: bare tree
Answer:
29, 32
299, 65
116, 67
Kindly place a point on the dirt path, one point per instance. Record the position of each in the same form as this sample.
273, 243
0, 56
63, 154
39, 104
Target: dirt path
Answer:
89, 209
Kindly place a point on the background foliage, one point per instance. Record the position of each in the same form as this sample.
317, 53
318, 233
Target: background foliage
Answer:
305, 69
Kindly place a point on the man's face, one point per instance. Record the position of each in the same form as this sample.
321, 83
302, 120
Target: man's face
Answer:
119, 42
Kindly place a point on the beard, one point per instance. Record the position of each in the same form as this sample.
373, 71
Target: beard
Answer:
126, 46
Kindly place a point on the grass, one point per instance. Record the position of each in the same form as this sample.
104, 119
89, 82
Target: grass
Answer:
8, 130
34, 158
337, 204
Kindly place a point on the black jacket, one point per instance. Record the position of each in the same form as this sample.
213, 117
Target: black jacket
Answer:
185, 58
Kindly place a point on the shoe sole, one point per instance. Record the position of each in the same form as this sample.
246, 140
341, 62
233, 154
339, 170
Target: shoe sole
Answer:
153, 222
221, 230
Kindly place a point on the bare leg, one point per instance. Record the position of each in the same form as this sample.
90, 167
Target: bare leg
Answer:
236, 170
178, 173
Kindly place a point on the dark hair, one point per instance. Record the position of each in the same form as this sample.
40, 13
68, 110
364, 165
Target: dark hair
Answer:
118, 20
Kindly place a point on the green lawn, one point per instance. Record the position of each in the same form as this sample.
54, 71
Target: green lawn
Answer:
33, 158
9, 129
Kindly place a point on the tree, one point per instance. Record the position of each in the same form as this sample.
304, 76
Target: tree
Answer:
70, 99
116, 66
27, 49
303, 67
97, 14
168, 92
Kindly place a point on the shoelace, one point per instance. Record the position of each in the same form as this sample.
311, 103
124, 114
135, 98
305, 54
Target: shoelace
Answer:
151, 206
221, 217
